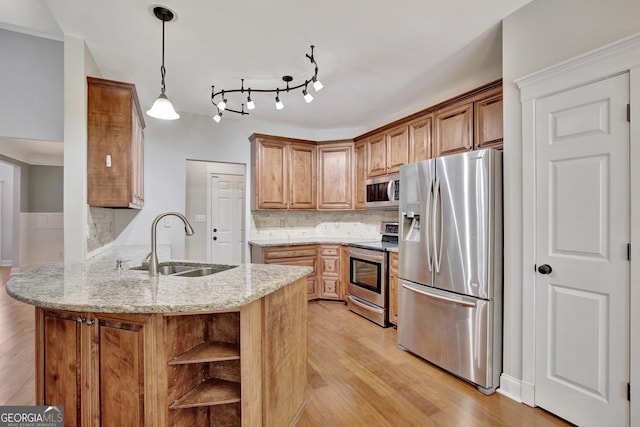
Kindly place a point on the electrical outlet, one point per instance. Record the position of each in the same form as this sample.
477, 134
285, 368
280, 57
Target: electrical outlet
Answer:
201, 218
167, 222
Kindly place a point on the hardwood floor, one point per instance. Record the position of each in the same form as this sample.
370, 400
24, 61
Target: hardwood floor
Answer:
17, 349
357, 376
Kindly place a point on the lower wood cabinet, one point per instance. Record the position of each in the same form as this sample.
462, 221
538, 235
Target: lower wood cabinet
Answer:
327, 279
393, 287
241, 367
107, 388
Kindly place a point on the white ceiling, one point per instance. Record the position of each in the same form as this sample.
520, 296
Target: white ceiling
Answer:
375, 58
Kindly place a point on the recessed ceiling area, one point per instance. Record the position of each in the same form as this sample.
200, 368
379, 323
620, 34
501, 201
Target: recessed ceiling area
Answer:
376, 60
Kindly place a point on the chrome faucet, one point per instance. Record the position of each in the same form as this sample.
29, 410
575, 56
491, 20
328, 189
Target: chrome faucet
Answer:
153, 259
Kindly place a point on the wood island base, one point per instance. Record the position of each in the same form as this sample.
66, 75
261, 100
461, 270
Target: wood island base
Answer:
242, 367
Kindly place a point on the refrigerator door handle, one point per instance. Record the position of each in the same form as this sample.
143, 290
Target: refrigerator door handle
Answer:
460, 301
428, 218
437, 219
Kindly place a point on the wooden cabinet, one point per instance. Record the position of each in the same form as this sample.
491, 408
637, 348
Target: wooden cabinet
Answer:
488, 120
393, 287
344, 272
397, 148
336, 176
301, 255
115, 136
387, 151
454, 129
107, 388
420, 138
360, 169
284, 173
330, 281
246, 366
376, 155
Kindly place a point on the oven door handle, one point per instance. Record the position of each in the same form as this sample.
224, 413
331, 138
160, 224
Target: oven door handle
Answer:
440, 297
367, 257
367, 306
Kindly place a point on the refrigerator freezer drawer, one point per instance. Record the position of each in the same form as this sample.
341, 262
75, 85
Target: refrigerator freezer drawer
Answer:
449, 330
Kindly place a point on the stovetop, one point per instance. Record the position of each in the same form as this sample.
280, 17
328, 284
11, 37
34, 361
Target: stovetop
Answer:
389, 240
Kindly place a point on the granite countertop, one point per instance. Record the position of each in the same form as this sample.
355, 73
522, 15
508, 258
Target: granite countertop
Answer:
96, 285
309, 241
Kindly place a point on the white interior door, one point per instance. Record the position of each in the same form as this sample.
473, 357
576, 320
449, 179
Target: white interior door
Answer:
227, 228
582, 232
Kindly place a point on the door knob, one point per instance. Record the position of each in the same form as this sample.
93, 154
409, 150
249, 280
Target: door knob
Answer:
545, 269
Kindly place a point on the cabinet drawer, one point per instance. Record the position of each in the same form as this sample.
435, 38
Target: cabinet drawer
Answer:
330, 250
330, 265
304, 262
289, 252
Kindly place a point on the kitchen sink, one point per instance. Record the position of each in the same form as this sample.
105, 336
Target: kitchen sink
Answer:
187, 269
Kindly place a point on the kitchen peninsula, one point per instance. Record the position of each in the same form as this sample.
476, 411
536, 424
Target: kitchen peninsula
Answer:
117, 347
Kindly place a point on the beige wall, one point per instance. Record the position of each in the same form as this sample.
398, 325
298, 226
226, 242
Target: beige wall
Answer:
541, 34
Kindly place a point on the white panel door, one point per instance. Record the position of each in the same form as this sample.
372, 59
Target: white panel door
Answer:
582, 231
227, 237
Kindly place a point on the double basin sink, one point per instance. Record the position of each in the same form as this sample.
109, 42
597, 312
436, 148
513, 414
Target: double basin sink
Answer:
187, 269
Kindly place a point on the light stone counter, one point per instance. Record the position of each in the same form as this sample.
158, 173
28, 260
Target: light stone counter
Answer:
309, 241
97, 286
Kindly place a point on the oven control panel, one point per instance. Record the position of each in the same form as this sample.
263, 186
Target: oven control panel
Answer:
389, 229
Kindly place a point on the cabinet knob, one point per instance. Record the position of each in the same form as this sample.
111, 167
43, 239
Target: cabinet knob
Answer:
80, 319
90, 322
215, 238
215, 230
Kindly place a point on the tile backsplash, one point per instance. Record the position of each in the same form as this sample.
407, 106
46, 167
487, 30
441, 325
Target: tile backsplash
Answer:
267, 225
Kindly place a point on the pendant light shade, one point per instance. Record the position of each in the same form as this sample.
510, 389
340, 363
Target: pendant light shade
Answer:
162, 107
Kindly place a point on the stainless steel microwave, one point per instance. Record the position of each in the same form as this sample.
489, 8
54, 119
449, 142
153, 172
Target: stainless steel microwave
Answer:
382, 192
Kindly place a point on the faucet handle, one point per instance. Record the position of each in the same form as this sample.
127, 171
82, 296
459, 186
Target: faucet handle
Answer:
119, 263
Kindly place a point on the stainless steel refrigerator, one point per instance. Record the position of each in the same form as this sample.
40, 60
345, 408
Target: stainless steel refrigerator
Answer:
450, 264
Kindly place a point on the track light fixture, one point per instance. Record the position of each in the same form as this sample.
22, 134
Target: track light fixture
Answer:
162, 107
219, 100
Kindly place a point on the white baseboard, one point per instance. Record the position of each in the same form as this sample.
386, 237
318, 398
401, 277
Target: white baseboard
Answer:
510, 387
528, 395
15, 270
6, 263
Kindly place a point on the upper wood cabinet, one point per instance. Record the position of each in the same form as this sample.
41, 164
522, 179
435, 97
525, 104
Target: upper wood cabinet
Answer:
454, 129
361, 171
376, 155
284, 173
336, 176
420, 138
488, 120
115, 135
387, 151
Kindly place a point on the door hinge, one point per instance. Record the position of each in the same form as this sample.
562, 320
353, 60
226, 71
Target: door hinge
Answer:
629, 113
628, 251
629, 392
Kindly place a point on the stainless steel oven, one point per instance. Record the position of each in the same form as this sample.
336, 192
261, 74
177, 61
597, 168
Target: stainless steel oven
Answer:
368, 286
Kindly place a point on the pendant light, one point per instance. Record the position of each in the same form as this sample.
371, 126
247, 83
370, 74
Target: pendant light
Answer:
162, 107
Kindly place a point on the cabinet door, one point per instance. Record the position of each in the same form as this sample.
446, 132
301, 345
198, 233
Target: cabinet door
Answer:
271, 170
420, 132
118, 374
302, 171
335, 170
454, 129
59, 360
360, 153
137, 155
393, 288
377, 155
344, 271
397, 148
488, 120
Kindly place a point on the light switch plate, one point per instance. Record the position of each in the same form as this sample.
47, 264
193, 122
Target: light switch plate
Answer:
201, 218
